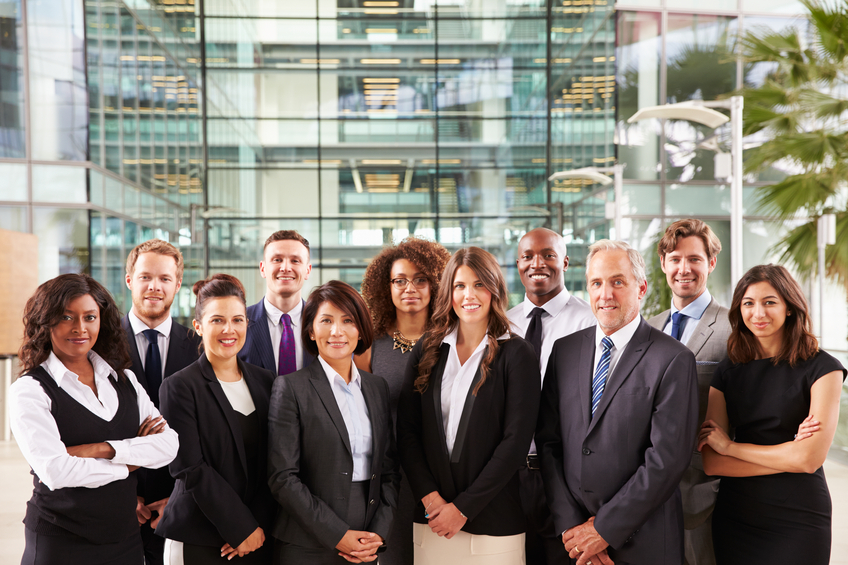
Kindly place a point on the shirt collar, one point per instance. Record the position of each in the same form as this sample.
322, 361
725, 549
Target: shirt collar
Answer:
332, 375
58, 371
553, 306
453, 335
138, 326
274, 314
697, 307
622, 337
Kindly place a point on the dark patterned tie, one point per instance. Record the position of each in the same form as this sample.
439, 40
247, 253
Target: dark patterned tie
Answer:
153, 365
601, 373
534, 330
676, 325
288, 360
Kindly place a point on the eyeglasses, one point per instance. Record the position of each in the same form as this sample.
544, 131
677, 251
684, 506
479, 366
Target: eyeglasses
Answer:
417, 282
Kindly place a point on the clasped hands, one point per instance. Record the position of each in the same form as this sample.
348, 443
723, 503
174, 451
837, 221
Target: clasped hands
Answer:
443, 517
716, 437
359, 547
586, 545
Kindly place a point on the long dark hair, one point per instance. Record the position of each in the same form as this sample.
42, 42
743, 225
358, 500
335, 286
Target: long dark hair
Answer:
799, 343
486, 268
45, 308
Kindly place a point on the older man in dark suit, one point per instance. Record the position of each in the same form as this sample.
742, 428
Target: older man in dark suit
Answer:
688, 253
159, 347
616, 424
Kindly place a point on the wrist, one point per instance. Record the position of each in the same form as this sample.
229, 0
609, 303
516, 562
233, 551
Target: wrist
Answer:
106, 451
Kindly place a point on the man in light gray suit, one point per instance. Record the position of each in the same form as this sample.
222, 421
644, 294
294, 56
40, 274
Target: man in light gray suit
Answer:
688, 253
617, 424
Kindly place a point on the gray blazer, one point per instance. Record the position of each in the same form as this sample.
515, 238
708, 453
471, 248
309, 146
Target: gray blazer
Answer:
624, 464
310, 464
709, 344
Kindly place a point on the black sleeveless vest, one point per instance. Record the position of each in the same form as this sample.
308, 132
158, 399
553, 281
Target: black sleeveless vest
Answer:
101, 515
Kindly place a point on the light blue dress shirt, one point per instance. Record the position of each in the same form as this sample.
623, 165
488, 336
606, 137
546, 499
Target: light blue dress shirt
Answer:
694, 311
355, 413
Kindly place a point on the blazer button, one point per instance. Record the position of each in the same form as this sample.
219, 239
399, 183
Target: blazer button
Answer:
373, 477
586, 451
371, 501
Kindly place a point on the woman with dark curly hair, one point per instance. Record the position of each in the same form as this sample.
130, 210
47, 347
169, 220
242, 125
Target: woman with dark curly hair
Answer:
398, 286
84, 424
467, 414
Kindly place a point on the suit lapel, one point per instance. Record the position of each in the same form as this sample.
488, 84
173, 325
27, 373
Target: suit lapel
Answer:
436, 388
134, 355
630, 357
704, 329
322, 386
586, 370
307, 357
262, 343
372, 399
177, 344
227, 408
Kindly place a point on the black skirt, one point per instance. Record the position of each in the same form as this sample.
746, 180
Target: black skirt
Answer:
42, 549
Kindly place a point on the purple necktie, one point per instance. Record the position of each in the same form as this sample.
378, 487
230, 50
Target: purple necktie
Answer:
288, 360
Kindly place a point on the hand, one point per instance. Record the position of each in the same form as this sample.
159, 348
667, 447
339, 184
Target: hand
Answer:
431, 502
359, 547
583, 541
601, 558
100, 450
807, 428
159, 507
446, 520
253, 542
713, 435
151, 426
141, 511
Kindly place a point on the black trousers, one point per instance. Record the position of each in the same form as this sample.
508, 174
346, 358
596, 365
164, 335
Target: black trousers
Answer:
154, 546
542, 546
68, 548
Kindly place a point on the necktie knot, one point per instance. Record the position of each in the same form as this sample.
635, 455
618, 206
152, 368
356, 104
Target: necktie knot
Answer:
606, 343
537, 312
534, 330
677, 320
151, 335
285, 319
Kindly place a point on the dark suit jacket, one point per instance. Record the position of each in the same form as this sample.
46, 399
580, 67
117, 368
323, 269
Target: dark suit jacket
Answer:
257, 346
183, 350
310, 464
481, 475
624, 464
214, 500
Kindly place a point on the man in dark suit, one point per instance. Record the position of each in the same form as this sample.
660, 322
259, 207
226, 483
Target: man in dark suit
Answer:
274, 330
688, 252
617, 424
159, 347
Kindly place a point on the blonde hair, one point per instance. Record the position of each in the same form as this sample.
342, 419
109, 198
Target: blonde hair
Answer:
156, 246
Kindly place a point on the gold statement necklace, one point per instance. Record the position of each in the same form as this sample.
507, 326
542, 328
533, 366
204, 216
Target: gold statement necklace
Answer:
402, 342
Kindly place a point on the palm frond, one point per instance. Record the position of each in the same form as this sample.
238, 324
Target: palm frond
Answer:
793, 194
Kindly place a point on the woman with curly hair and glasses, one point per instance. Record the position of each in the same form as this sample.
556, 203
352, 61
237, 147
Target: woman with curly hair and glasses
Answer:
84, 424
398, 287
467, 414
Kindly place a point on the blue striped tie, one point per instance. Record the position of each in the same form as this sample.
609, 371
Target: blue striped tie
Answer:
601, 373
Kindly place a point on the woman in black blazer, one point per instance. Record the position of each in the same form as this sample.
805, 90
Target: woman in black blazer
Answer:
220, 506
466, 419
331, 460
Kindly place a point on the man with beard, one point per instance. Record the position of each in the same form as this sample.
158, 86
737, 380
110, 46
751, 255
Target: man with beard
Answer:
274, 333
159, 347
547, 313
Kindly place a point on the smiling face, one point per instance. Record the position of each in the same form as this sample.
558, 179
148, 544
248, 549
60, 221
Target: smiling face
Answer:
764, 313
614, 292
335, 333
410, 299
153, 284
541, 262
285, 267
470, 299
223, 327
76, 331
687, 269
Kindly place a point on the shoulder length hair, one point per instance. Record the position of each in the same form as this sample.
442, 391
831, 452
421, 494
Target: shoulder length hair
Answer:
445, 320
44, 310
799, 343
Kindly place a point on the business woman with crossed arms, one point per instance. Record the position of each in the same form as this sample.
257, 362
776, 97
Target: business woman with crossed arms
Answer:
331, 455
220, 505
466, 418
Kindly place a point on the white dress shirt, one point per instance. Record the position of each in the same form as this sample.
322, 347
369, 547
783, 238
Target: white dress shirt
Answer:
274, 315
355, 413
38, 435
564, 314
456, 382
693, 311
238, 396
620, 339
141, 343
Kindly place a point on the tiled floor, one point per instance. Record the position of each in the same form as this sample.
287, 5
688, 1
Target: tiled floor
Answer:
17, 487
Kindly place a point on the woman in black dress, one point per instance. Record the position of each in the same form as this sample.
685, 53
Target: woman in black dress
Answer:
221, 506
773, 504
399, 286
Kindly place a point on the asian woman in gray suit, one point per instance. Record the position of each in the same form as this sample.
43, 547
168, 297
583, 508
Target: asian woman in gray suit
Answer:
331, 454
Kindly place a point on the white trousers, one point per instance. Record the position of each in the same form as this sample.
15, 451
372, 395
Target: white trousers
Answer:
466, 549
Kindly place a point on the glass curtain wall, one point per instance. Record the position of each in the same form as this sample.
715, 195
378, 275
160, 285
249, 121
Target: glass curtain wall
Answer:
360, 122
